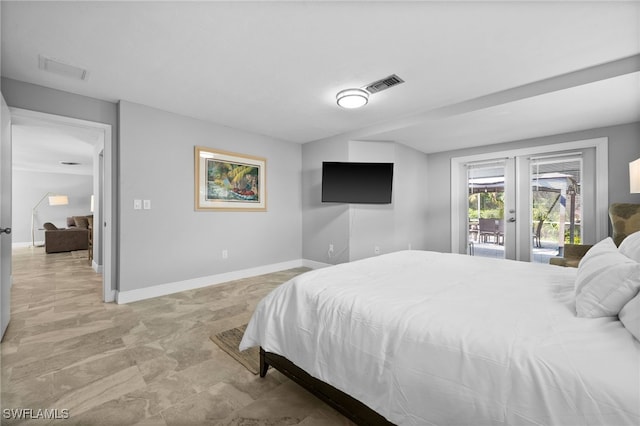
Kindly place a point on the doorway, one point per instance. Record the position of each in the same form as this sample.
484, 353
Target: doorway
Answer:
102, 204
525, 204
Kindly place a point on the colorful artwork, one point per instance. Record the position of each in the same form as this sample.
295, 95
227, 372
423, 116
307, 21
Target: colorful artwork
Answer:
229, 181
232, 181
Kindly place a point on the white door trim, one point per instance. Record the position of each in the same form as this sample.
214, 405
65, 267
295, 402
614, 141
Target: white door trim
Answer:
6, 269
106, 221
458, 194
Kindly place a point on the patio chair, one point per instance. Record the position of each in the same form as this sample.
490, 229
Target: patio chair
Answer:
500, 231
488, 228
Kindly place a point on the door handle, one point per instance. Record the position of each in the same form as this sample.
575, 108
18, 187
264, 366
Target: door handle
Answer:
511, 219
5, 230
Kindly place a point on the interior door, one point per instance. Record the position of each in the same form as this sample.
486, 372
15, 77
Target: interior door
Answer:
5, 218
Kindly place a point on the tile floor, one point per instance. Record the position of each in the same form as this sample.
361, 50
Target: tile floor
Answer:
144, 363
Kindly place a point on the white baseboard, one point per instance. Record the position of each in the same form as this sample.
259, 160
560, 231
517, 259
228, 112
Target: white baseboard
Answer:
313, 264
96, 267
176, 287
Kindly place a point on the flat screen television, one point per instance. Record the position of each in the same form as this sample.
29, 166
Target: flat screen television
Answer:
362, 183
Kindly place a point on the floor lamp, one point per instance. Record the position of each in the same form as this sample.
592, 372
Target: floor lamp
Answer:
54, 200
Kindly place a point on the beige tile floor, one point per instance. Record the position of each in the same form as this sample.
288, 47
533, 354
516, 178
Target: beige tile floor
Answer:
144, 363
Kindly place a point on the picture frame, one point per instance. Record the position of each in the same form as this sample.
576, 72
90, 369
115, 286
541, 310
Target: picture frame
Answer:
229, 181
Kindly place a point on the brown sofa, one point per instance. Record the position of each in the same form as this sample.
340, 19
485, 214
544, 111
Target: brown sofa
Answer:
75, 237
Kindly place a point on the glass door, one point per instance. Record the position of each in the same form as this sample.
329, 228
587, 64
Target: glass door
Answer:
539, 198
547, 190
556, 204
489, 209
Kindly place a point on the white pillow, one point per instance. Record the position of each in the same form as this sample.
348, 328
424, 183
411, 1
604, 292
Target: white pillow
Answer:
630, 246
606, 281
630, 316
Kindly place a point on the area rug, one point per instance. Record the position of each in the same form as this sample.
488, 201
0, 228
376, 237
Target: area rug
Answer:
229, 341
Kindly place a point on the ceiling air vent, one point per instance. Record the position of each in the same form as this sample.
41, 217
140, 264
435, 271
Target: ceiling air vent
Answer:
58, 67
384, 84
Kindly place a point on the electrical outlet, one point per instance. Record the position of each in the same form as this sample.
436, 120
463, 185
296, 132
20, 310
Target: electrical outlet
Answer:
225, 254
137, 204
147, 204
330, 251
376, 250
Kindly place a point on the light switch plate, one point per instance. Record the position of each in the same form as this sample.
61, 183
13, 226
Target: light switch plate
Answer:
147, 204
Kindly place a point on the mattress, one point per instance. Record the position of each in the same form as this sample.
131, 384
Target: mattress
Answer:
433, 338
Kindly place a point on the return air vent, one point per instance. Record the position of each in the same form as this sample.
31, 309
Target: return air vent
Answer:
384, 84
61, 68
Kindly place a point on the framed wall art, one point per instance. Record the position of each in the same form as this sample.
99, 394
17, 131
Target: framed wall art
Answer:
229, 181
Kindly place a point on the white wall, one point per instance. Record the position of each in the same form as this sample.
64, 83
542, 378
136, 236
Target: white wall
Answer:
172, 242
30, 187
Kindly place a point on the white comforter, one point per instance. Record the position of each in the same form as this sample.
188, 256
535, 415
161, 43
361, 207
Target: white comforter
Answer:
430, 338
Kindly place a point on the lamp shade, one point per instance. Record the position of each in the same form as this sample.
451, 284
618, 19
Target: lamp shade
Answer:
58, 200
634, 176
352, 98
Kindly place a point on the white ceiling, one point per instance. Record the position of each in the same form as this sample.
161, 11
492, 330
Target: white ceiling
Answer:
476, 72
41, 145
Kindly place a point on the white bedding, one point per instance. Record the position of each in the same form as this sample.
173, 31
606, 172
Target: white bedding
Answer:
431, 338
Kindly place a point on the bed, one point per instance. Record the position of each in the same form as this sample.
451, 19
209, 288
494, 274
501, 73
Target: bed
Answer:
426, 338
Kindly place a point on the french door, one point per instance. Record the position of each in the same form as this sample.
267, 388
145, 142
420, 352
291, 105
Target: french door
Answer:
527, 204
490, 196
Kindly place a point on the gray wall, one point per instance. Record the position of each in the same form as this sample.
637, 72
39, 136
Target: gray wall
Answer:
43, 99
29, 187
354, 230
173, 242
323, 223
624, 146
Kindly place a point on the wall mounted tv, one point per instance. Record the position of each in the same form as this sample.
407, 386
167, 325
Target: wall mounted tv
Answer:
362, 183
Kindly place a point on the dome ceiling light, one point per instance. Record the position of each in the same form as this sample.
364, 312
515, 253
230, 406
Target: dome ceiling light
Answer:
356, 98
352, 98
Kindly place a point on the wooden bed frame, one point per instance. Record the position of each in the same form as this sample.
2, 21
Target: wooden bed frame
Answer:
350, 407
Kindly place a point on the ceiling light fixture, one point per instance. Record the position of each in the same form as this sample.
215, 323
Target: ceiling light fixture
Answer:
356, 98
352, 98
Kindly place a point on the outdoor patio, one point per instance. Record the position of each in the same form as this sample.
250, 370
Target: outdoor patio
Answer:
490, 249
